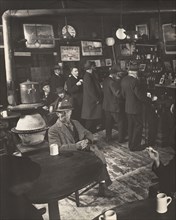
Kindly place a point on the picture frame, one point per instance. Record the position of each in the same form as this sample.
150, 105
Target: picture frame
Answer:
108, 62
70, 53
91, 48
97, 62
126, 49
169, 32
39, 35
142, 29
1, 37
168, 66
142, 67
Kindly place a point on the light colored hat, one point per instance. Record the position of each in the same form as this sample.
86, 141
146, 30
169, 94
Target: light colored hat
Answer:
30, 124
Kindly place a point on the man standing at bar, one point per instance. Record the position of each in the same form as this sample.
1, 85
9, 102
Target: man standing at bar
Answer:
135, 97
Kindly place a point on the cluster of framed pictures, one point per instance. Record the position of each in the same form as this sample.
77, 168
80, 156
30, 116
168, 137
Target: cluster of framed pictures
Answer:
89, 48
102, 62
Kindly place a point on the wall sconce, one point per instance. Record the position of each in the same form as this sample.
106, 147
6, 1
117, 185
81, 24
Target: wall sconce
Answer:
110, 41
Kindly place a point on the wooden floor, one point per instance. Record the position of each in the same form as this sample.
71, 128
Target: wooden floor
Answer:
131, 175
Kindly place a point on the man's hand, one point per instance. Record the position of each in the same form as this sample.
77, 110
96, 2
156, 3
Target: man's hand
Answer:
82, 144
79, 82
154, 155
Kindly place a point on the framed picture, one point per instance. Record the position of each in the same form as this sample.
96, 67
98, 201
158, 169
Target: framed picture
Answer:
70, 53
174, 65
39, 35
91, 48
126, 49
97, 62
142, 67
1, 37
169, 33
142, 29
168, 66
108, 62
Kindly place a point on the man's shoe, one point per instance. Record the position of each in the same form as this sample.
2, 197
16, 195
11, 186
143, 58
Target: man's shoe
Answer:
105, 192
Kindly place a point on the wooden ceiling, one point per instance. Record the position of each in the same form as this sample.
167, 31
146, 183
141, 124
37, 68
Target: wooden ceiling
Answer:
135, 5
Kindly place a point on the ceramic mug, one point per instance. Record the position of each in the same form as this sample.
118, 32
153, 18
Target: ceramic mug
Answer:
54, 149
108, 215
162, 202
4, 114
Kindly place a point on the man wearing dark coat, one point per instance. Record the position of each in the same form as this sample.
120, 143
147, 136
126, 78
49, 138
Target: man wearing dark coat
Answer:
134, 97
75, 90
57, 79
112, 105
70, 135
92, 98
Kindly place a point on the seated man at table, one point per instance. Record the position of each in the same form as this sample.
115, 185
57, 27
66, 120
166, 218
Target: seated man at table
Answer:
71, 135
165, 174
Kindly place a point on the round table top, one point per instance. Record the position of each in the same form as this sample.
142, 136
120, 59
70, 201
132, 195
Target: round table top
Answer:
63, 174
11, 115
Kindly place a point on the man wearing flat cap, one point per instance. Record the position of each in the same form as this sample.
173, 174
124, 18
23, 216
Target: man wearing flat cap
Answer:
135, 97
70, 135
57, 78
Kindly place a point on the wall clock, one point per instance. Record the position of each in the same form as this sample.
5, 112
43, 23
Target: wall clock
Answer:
71, 30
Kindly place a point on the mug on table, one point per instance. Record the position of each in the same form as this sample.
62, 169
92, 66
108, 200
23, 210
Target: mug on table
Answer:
108, 215
4, 113
162, 202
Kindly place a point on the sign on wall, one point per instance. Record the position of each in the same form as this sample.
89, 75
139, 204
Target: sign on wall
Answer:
91, 48
70, 53
169, 37
39, 35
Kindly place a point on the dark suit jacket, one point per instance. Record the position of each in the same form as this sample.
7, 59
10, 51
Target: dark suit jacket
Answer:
92, 98
133, 94
112, 95
49, 99
56, 82
76, 92
166, 175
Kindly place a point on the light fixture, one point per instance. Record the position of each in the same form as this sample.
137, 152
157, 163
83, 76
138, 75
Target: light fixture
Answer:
110, 41
121, 32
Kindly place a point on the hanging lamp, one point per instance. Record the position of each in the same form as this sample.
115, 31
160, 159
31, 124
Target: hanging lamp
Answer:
121, 32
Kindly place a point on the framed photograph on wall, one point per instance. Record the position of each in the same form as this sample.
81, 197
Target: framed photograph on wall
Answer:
1, 37
142, 29
108, 62
169, 33
70, 53
39, 35
142, 67
91, 48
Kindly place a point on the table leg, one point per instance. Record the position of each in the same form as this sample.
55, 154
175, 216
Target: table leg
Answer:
53, 209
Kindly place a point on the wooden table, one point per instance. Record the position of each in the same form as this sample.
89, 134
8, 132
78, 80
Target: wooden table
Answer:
62, 175
144, 210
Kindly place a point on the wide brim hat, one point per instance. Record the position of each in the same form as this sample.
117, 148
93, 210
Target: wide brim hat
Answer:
57, 67
60, 90
29, 124
64, 105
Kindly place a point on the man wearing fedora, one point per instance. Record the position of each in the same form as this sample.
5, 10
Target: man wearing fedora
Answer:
134, 97
113, 104
57, 78
71, 135
92, 98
